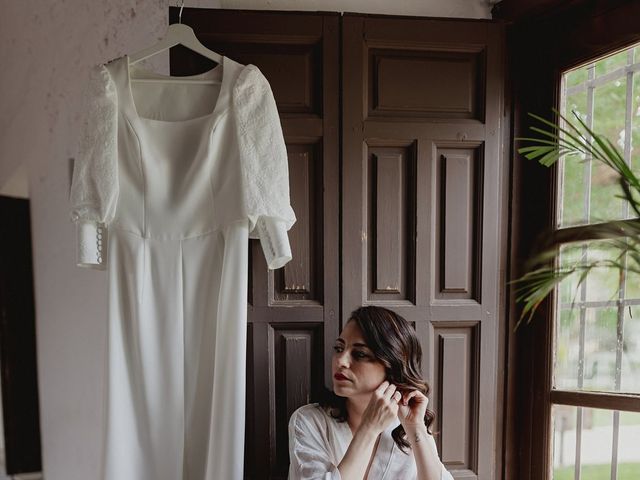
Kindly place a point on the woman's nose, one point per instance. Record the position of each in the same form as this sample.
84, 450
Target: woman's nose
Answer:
343, 359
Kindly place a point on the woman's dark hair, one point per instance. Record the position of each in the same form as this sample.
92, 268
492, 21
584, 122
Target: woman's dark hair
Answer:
395, 344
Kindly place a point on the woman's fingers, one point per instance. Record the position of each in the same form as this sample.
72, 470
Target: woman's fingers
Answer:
382, 407
382, 387
388, 393
409, 396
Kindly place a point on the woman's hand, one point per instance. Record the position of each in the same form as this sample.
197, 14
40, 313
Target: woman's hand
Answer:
382, 408
412, 409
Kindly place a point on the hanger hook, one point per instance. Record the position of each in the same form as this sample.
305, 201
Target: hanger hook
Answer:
180, 13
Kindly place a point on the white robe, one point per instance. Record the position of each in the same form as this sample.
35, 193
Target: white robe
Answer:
317, 443
170, 182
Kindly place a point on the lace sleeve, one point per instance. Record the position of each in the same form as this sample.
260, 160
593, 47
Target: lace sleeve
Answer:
94, 187
264, 165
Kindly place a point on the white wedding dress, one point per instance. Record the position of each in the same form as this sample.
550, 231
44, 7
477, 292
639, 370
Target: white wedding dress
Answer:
170, 182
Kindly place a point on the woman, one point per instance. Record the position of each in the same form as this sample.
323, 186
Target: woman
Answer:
375, 424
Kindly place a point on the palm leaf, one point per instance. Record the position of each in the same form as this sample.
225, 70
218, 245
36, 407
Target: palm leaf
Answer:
622, 238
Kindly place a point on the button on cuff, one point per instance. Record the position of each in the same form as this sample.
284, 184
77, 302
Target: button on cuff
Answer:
89, 245
274, 241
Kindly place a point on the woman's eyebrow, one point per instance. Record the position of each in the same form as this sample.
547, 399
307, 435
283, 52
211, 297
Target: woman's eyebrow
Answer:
340, 340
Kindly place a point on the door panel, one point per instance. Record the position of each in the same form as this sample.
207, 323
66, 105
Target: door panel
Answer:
423, 203
424, 83
391, 224
458, 210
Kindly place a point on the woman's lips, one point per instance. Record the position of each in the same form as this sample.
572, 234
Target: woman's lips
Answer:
339, 376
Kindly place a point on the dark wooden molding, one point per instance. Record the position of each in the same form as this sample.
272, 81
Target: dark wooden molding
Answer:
607, 401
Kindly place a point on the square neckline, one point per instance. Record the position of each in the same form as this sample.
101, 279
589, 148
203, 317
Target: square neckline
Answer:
216, 105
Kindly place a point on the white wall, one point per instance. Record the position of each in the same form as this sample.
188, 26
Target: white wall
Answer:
48, 48
425, 8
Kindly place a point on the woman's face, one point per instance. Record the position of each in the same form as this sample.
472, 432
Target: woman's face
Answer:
356, 371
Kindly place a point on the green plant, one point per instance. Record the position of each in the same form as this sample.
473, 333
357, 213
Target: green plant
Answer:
621, 237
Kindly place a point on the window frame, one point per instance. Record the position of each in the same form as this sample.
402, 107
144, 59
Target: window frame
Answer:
606, 399
574, 33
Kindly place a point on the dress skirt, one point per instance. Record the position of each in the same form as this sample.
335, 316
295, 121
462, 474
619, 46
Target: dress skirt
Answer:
176, 355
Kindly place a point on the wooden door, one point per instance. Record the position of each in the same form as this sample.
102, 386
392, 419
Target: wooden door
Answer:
293, 311
421, 210
424, 207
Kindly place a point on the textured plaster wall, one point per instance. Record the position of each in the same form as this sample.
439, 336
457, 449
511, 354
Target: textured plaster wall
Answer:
47, 49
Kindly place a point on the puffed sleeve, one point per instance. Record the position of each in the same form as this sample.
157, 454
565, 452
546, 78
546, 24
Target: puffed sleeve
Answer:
94, 185
308, 453
264, 163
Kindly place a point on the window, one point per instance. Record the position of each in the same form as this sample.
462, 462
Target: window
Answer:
596, 351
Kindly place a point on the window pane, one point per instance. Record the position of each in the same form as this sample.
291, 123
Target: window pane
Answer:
632, 286
608, 120
564, 442
598, 93
597, 330
596, 443
600, 349
612, 62
600, 444
602, 283
630, 381
628, 461
574, 172
635, 123
576, 77
569, 255
569, 347
586, 361
567, 352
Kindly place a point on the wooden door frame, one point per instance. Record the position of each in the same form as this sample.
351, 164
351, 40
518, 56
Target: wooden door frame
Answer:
574, 32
